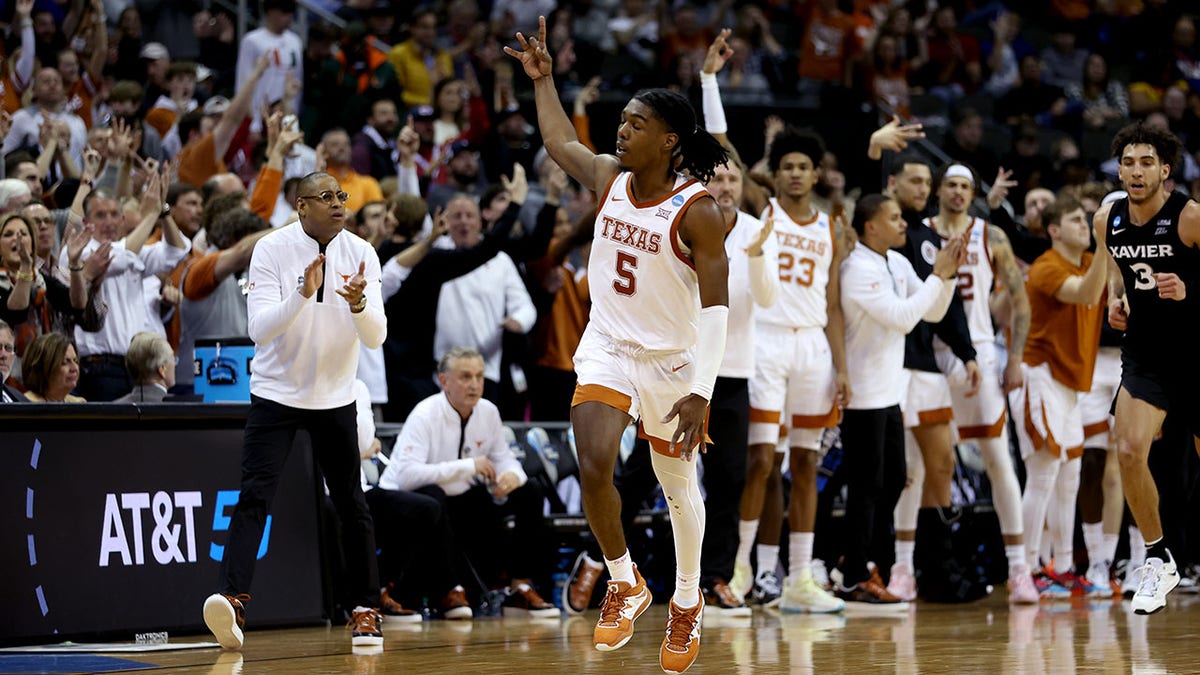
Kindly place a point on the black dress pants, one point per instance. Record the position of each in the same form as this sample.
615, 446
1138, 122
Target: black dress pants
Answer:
873, 462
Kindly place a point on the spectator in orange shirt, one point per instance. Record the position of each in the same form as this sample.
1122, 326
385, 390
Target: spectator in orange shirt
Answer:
206, 140
335, 146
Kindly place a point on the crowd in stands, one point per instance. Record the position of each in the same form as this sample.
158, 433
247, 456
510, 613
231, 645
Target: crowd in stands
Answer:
148, 147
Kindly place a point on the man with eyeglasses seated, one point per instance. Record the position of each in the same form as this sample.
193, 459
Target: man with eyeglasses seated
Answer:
8, 354
313, 295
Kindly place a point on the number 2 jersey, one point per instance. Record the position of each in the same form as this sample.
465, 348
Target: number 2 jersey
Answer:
976, 278
1160, 331
640, 274
805, 257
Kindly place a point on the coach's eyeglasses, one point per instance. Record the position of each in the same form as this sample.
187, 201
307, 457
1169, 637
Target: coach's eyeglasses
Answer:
327, 197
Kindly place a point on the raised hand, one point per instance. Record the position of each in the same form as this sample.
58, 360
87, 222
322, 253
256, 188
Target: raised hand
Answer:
894, 136
518, 186
352, 292
78, 236
314, 276
24, 8
96, 266
408, 142
718, 53
756, 246
321, 162
587, 95
1000, 188
534, 55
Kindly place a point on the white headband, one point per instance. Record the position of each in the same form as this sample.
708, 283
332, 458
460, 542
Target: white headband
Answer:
960, 171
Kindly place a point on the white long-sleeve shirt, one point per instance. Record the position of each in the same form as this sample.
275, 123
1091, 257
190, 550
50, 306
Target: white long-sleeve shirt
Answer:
27, 127
306, 349
882, 300
753, 281
287, 54
436, 447
472, 307
124, 293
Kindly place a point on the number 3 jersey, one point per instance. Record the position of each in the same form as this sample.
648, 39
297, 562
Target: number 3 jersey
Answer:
640, 274
805, 256
1141, 251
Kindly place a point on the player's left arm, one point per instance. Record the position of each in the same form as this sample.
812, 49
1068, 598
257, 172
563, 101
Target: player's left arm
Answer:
835, 324
1005, 264
703, 230
1171, 286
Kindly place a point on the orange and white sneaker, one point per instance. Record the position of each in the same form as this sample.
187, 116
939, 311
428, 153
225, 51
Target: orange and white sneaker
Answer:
681, 645
622, 605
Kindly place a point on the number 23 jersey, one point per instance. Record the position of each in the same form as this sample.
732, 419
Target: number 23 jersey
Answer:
641, 276
805, 257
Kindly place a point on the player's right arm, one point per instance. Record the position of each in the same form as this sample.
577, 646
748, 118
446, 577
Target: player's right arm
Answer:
1118, 311
558, 134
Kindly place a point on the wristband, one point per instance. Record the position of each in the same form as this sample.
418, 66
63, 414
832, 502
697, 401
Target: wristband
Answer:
24, 276
75, 268
359, 306
710, 97
710, 349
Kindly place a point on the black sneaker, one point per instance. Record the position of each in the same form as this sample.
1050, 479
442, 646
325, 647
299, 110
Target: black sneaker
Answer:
870, 592
720, 600
766, 589
522, 600
366, 627
393, 612
225, 617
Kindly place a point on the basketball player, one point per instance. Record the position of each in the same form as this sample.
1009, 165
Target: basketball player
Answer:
1064, 288
981, 417
1152, 235
651, 352
799, 364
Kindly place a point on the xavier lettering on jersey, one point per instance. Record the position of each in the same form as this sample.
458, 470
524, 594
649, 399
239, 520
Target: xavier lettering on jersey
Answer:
630, 235
795, 241
1142, 251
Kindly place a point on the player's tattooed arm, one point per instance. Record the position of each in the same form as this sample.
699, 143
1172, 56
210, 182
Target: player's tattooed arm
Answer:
1010, 275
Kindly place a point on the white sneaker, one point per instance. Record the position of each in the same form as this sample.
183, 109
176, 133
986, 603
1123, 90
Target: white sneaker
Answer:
803, 594
743, 579
903, 584
1158, 578
1021, 589
820, 574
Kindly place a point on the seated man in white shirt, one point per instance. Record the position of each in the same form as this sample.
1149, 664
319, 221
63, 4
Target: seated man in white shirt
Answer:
452, 448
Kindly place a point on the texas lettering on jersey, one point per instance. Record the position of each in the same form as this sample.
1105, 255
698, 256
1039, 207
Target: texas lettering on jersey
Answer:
630, 235
795, 241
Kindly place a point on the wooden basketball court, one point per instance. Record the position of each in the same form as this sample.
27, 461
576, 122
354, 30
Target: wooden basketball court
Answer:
985, 637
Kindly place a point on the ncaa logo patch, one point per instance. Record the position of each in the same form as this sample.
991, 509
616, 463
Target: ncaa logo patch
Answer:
928, 251
677, 200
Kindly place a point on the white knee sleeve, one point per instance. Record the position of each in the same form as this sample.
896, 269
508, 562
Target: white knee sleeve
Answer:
1006, 493
1061, 518
910, 498
1041, 471
682, 491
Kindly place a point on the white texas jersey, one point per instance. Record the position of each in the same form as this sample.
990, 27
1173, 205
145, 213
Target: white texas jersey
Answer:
805, 257
976, 278
640, 275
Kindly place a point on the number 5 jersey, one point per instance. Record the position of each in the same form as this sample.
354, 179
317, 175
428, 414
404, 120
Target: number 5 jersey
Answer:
641, 276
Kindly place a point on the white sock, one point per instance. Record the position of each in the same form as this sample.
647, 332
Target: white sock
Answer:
1015, 554
768, 558
1093, 540
621, 569
687, 589
747, 533
1046, 551
1137, 547
904, 552
1109, 550
681, 488
800, 546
